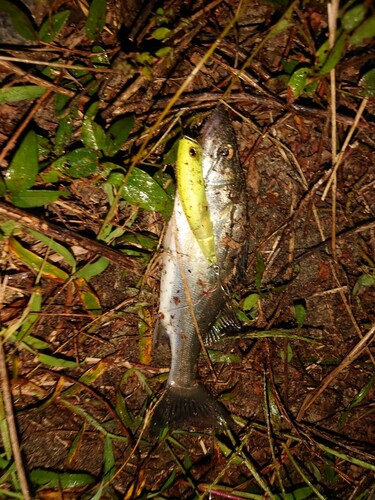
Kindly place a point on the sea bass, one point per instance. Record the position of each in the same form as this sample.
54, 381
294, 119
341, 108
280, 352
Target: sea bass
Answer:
194, 294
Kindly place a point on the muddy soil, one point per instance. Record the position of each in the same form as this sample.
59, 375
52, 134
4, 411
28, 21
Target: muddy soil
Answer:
282, 378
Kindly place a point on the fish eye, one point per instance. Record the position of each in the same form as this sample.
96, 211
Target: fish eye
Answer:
193, 152
227, 151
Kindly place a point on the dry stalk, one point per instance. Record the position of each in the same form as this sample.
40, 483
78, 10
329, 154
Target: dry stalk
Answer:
55, 65
333, 9
344, 146
349, 358
7, 397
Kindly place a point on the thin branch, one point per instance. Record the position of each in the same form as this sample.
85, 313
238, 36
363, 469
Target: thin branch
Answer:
348, 360
345, 145
12, 141
7, 397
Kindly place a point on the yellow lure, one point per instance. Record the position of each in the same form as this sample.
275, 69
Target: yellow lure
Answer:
191, 188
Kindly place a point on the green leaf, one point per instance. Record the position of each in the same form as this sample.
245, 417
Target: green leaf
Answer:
24, 166
36, 263
316, 471
108, 459
334, 56
88, 297
3, 188
63, 134
87, 378
279, 27
299, 308
161, 33
145, 58
322, 54
365, 280
298, 80
170, 480
50, 175
82, 161
35, 343
288, 353
35, 198
44, 146
92, 110
301, 493
353, 17
142, 190
365, 31
54, 361
367, 84
22, 22
20, 93
53, 25
311, 88
117, 134
93, 373
101, 59
122, 410
250, 301
91, 270
164, 51
61, 480
170, 157
165, 181
96, 18
139, 240
34, 306
61, 101
76, 445
223, 357
290, 66
358, 398
93, 135
55, 246
8, 227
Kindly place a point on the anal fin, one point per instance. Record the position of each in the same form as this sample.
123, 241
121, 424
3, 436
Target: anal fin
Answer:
226, 323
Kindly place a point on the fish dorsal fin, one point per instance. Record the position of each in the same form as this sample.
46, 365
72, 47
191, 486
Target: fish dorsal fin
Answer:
225, 324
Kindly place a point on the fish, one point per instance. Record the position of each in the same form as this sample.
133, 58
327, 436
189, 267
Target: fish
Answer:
194, 293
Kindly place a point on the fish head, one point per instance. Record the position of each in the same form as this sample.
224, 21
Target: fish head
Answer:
219, 148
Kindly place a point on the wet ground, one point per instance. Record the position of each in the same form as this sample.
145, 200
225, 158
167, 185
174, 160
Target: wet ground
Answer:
290, 378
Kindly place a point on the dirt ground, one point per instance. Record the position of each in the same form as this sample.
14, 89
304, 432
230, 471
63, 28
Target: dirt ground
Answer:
290, 378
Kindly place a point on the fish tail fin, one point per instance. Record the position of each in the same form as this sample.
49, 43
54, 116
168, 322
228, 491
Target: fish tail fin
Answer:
185, 407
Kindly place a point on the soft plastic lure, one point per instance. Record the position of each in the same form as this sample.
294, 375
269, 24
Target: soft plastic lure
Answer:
192, 192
